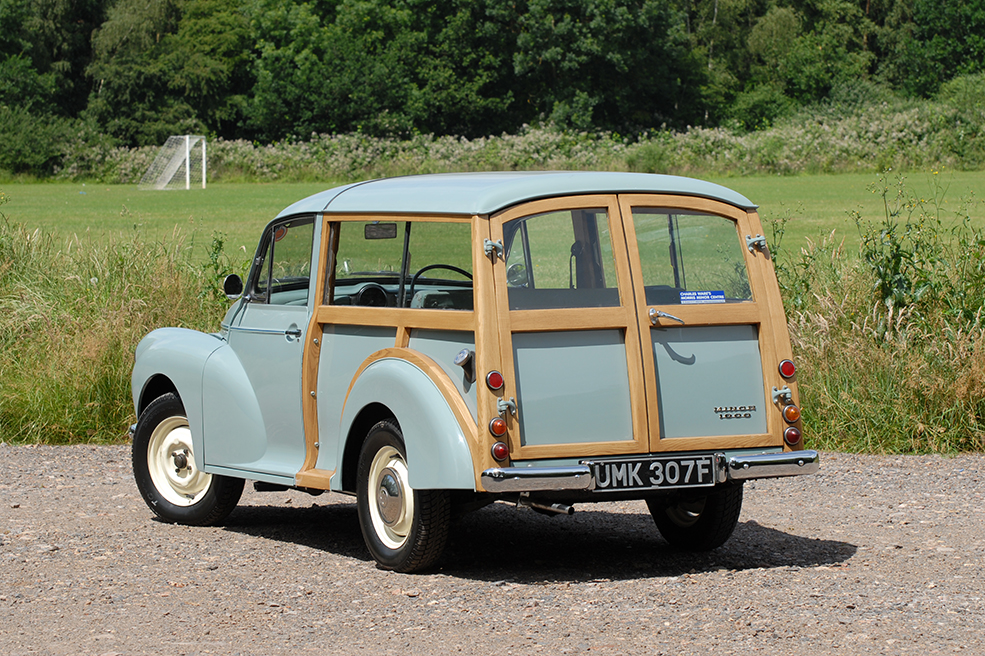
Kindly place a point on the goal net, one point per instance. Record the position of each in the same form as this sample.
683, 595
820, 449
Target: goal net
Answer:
180, 162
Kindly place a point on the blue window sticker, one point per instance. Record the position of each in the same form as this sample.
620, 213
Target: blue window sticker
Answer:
694, 298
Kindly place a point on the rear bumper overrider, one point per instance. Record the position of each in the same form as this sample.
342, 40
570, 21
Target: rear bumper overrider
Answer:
579, 477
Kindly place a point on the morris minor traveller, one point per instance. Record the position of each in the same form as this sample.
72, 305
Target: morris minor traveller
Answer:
431, 344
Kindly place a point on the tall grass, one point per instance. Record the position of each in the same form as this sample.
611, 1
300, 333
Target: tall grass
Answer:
70, 316
891, 340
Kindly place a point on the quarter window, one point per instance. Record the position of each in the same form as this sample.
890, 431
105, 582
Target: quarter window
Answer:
411, 264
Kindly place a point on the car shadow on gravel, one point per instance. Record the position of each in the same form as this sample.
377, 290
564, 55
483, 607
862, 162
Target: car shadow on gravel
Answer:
502, 543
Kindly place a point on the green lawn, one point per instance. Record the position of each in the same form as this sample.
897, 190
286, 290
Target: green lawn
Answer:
104, 211
817, 204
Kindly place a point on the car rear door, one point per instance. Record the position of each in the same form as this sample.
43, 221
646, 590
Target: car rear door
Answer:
589, 372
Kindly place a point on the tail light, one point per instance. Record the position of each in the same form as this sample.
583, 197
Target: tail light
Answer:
494, 380
791, 436
791, 414
497, 426
787, 369
500, 451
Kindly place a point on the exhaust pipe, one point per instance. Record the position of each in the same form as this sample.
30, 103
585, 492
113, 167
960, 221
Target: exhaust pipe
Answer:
545, 509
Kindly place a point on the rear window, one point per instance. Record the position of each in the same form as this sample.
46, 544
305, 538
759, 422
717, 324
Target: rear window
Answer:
560, 260
690, 258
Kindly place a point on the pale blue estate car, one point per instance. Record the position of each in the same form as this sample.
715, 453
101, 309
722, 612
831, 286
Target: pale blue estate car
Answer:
434, 343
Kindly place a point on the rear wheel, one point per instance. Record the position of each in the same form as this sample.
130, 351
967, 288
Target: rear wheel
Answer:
405, 529
168, 474
698, 524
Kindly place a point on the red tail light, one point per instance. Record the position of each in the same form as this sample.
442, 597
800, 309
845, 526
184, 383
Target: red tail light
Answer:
787, 369
791, 436
494, 380
500, 451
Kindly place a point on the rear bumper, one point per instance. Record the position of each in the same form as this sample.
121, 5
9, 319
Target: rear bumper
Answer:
579, 477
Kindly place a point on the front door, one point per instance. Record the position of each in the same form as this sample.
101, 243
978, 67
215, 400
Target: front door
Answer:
261, 429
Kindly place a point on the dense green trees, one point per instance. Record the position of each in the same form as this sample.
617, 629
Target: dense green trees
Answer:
138, 70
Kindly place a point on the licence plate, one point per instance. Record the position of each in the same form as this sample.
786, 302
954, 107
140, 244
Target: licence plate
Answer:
652, 473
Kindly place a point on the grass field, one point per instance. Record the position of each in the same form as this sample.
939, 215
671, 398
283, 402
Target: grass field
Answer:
816, 205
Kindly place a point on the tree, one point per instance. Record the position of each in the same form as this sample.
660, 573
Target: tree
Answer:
617, 64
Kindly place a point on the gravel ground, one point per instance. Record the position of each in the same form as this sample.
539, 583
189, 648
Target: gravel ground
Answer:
871, 555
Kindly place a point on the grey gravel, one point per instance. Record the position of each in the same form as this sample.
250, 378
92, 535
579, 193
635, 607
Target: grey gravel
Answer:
872, 555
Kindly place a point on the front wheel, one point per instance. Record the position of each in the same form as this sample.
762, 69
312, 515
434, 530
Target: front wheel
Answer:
167, 472
405, 529
699, 524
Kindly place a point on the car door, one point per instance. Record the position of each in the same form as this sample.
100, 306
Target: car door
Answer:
705, 322
571, 344
255, 423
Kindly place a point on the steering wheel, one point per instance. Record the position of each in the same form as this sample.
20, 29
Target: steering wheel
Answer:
413, 281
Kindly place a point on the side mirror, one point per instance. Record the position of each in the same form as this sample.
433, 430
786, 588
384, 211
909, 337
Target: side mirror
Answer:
232, 286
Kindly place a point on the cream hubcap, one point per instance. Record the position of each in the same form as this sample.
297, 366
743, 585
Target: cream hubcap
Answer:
391, 505
172, 466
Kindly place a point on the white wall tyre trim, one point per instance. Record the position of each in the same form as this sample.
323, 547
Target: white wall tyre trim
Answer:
172, 466
392, 505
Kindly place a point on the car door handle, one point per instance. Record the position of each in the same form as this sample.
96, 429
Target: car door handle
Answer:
293, 332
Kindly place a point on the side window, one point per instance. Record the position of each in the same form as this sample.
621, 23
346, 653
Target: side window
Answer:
560, 260
283, 271
416, 264
690, 258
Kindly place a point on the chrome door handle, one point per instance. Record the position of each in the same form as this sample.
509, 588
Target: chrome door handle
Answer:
656, 315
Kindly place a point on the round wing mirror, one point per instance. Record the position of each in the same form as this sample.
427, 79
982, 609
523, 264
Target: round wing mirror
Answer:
232, 286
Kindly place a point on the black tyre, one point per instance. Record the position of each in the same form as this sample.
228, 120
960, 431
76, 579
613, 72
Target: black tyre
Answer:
405, 529
167, 473
699, 524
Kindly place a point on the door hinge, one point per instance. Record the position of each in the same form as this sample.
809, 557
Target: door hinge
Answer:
783, 395
757, 242
494, 249
503, 405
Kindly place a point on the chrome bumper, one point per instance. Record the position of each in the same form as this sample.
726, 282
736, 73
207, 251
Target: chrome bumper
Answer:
772, 465
579, 477
537, 479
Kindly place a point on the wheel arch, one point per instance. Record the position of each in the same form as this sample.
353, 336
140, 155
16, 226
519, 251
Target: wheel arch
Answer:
157, 386
173, 360
439, 454
368, 417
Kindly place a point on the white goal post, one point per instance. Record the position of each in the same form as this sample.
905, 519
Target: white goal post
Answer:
180, 159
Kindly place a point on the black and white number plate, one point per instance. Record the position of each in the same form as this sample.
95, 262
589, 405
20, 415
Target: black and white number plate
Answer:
652, 473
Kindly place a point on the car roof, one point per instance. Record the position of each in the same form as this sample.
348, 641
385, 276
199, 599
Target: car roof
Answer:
487, 193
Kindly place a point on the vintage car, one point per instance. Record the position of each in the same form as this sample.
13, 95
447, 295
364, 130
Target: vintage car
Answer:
434, 343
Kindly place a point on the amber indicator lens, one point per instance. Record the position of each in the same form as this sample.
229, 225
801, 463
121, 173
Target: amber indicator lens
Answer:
791, 436
791, 414
787, 369
498, 427
494, 380
500, 451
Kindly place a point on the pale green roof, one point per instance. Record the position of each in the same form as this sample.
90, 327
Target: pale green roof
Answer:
486, 193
